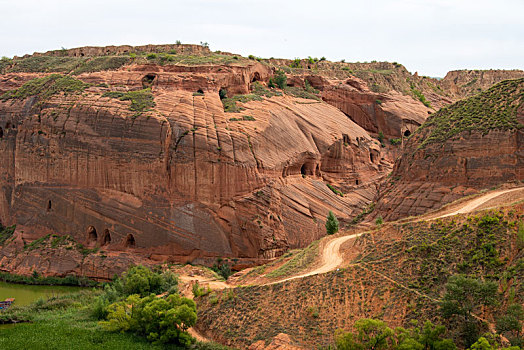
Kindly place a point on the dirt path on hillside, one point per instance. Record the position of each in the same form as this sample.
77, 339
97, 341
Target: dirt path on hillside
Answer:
332, 258
479, 201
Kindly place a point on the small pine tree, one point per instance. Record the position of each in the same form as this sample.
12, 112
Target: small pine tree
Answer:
331, 223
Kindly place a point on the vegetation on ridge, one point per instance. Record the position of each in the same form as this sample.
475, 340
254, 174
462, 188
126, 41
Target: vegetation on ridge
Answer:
495, 108
46, 87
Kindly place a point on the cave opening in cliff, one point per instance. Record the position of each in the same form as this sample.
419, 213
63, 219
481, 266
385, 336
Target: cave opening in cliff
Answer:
147, 81
303, 170
130, 241
107, 237
407, 133
356, 182
222, 93
1, 133
92, 237
371, 157
49, 205
200, 91
256, 77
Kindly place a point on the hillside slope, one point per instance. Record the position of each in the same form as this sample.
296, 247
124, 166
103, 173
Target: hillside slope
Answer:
398, 275
473, 144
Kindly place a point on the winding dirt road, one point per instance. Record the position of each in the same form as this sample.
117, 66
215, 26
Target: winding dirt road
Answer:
332, 258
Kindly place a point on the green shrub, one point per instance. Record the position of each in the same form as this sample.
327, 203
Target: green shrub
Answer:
142, 281
379, 221
335, 190
418, 94
280, 79
222, 269
331, 223
151, 56
395, 141
296, 63
160, 320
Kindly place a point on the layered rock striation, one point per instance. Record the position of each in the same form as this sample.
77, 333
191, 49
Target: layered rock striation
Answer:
178, 179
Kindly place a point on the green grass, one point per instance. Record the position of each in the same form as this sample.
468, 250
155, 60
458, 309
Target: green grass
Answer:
46, 87
68, 322
6, 233
420, 96
493, 109
230, 104
300, 261
74, 65
43, 64
141, 100
104, 63
335, 190
64, 323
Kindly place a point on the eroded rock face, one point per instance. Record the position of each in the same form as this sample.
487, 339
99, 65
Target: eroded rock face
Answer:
391, 113
185, 180
436, 169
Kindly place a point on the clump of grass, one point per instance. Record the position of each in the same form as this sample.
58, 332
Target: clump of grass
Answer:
420, 96
46, 87
335, 190
141, 100
244, 118
230, 104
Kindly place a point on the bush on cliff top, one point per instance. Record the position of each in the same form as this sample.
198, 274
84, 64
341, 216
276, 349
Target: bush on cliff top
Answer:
46, 87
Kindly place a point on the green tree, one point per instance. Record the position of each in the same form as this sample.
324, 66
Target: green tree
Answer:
371, 334
142, 281
510, 324
465, 296
331, 223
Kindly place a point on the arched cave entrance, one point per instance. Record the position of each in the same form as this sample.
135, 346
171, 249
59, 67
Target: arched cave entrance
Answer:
303, 170
407, 133
49, 205
130, 241
256, 77
371, 157
356, 182
147, 80
200, 91
222, 93
107, 237
92, 237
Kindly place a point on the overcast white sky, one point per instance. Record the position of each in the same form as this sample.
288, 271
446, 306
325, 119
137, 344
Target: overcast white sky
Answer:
428, 36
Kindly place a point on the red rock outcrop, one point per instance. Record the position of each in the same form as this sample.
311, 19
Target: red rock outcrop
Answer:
185, 180
474, 144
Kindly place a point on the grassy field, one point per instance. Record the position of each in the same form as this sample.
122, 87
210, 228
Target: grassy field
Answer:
66, 322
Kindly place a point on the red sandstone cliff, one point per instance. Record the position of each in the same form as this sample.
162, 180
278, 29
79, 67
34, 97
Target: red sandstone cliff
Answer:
184, 180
